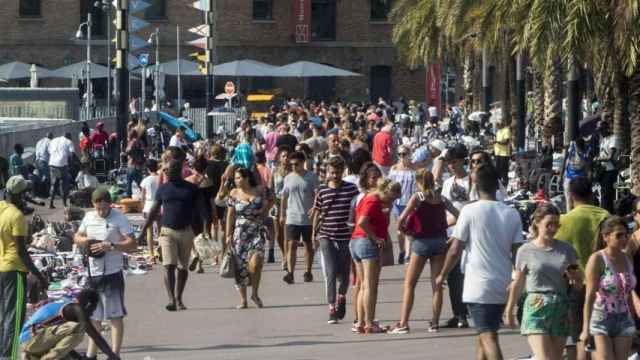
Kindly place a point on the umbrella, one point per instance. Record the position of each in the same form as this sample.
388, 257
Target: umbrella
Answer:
79, 69
310, 69
20, 70
249, 68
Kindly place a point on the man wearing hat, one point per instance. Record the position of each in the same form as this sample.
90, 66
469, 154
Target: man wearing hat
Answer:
106, 233
15, 263
424, 155
99, 136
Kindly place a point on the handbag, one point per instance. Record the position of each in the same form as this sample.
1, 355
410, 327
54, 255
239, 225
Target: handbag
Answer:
386, 254
413, 224
228, 265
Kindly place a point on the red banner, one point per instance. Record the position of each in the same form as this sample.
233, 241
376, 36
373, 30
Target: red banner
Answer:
301, 21
432, 86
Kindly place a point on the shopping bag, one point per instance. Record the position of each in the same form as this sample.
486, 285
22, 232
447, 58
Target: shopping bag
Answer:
228, 265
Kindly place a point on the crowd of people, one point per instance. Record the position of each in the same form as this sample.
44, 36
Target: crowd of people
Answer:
331, 178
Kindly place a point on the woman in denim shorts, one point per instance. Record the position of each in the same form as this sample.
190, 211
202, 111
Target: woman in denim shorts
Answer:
429, 244
610, 282
368, 239
546, 266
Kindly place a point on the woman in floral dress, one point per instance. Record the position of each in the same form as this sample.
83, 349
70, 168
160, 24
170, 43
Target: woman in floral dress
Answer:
248, 204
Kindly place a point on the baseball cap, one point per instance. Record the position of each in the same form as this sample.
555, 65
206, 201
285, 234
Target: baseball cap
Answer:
438, 144
316, 121
17, 185
458, 151
100, 194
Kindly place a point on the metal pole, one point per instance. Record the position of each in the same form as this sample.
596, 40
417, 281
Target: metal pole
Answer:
210, 61
122, 70
179, 72
108, 7
520, 102
157, 75
144, 89
485, 81
89, 90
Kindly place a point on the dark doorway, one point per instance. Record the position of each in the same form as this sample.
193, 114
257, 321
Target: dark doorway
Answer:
380, 83
321, 88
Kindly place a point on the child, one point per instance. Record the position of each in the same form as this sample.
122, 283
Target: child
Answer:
149, 186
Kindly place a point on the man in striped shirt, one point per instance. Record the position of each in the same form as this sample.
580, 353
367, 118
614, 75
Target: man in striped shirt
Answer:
331, 208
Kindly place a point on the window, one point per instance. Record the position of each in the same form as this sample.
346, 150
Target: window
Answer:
263, 9
323, 20
98, 19
157, 10
380, 10
380, 82
30, 8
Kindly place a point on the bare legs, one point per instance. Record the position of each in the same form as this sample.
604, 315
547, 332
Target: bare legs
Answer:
171, 288
117, 334
608, 348
369, 273
255, 274
547, 347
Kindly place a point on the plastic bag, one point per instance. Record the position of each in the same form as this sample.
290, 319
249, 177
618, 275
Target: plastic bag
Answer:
206, 248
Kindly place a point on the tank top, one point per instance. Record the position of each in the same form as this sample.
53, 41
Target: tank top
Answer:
614, 288
434, 219
48, 315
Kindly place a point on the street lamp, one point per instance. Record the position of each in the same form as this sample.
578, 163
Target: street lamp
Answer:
88, 89
106, 7
156, 82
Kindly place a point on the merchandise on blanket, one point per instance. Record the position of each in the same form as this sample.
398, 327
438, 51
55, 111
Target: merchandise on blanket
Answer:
206, 248
81, 198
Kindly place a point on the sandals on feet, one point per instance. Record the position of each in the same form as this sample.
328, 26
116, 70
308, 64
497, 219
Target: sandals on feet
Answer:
374, 329
398, 329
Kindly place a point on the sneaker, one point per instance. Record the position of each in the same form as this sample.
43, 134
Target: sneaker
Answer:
451, 323
333, 318
463, 324
397, 329
401, 258
271, 258
288, 278
433, 327
374, 329
342, 307
357, 328
308, 277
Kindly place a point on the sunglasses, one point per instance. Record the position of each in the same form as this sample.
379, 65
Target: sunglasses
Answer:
403, 154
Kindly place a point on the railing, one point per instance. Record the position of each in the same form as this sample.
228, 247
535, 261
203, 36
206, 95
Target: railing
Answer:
100, 112
228, 121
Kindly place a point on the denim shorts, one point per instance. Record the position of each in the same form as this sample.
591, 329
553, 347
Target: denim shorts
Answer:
486, 317
363, 249
429, 247
611, 324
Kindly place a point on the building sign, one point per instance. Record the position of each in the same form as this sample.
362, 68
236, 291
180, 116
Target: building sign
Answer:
301, 21
432, 91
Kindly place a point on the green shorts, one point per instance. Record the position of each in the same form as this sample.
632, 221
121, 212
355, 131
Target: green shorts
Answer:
547, 314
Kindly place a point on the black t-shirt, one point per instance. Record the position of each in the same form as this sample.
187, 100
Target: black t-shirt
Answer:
287, 139
178, 200
215, 170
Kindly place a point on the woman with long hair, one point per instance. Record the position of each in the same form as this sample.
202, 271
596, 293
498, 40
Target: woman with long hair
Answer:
246, 233
368, 239
403, 173
430, 243
546, 267
206, 194
282, 169
610, 280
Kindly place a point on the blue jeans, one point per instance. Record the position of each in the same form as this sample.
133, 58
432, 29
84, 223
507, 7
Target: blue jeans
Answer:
133, 174
486, 317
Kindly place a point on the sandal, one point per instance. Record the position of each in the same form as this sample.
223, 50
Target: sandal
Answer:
374, 329
397, 329
257, 301
433, 328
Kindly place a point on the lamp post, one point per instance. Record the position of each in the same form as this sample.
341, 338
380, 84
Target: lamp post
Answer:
88, 89
106, 7
156, 82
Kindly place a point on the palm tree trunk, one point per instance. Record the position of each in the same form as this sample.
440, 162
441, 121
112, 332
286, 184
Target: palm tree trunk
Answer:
621, 127
553, 102
477, 83
538, 96
634, 119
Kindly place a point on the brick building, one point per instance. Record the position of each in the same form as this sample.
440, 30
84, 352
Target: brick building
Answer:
349, 34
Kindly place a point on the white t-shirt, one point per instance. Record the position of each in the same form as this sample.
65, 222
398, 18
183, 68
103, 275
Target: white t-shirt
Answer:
488, 229
111, 229
60, 149
150, 185
175, 141
606, 148
42, 149
433, 111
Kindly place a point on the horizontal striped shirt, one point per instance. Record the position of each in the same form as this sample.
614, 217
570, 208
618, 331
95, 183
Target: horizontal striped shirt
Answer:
334, 206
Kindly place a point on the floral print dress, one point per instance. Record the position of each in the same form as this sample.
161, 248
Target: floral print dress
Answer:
249, 234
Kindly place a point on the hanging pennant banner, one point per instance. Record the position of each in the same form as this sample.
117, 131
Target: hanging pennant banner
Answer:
199, 43
136, 43
201, 5
301, 21
135, 6
201, 30
432, 91
135, 24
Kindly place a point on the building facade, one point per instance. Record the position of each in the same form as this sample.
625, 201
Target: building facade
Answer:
350, 34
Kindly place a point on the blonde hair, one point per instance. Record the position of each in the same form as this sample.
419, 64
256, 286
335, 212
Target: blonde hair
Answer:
385, 187
426, 182
541, 212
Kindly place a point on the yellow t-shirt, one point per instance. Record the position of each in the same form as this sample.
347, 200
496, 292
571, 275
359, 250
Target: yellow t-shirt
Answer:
579, 227
503, 134
12, 224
